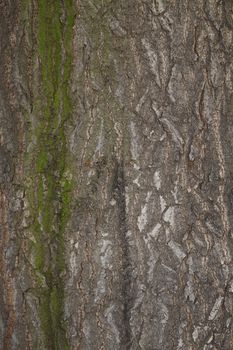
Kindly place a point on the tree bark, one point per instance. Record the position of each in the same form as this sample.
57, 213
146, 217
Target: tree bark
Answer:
116, 168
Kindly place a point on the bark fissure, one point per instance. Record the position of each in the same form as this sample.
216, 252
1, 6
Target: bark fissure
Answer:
126, 279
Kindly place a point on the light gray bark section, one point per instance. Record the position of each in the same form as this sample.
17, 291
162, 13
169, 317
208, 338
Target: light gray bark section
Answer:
151, 249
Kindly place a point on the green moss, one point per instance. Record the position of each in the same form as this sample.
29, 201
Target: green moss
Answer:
42, 161
38, 249
50, 193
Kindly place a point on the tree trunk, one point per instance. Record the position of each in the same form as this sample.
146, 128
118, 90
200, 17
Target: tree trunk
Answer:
116, 138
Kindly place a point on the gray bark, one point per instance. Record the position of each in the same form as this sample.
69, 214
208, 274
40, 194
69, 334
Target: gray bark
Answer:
136, 253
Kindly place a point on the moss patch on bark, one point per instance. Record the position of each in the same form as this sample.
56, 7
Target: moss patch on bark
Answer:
49, 159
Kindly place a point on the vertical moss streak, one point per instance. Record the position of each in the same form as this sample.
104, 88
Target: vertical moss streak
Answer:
52, 184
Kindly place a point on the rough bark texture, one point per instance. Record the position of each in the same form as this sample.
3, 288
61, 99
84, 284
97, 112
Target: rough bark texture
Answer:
116, 191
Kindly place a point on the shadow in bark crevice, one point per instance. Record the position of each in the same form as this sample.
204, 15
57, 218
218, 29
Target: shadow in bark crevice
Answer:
118, 188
